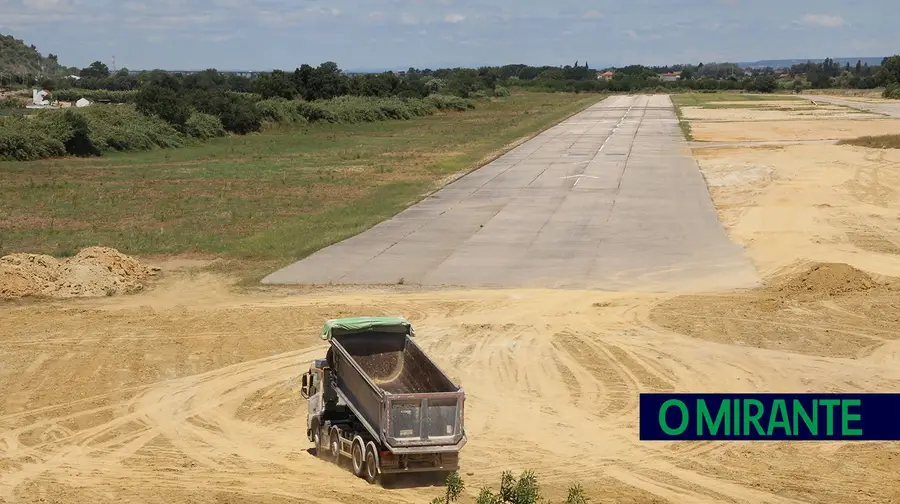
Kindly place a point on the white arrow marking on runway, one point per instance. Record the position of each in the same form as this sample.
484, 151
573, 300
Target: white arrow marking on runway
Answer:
578, 177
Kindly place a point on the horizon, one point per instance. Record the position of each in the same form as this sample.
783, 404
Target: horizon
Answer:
599, 67
268, 34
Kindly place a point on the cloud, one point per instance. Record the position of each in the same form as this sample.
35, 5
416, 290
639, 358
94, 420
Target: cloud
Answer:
408, 19
169, 22
592, 14
135, 7
48, 5
454, 18
823, 20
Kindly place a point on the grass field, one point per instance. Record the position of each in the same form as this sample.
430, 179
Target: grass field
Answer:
270, 197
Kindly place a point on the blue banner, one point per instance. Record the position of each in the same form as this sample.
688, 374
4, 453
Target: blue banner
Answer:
770, 417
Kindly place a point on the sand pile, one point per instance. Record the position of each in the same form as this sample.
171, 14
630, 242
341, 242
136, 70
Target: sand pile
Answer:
94, 271
827, 279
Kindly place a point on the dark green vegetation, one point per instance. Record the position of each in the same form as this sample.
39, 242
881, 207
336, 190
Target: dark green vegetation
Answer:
319, 82
874, 142
274, 196
829, 74
522, 490
158, 122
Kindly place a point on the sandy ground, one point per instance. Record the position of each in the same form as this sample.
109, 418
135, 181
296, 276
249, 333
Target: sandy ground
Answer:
784, 120
188, 391
800, 129
787, 110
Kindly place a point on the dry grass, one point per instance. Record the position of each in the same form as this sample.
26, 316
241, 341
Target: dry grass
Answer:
874, 142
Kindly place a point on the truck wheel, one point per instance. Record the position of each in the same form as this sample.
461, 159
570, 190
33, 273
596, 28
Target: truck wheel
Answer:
371, 464
335, 446
358, 451
316, 437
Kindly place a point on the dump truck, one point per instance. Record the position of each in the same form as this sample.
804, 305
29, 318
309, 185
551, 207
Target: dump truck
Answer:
379, 401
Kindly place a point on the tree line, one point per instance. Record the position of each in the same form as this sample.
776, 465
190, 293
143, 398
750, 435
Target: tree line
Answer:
327, 80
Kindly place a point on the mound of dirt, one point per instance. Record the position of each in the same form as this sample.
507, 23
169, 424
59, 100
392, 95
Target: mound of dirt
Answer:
93, 272
827, 279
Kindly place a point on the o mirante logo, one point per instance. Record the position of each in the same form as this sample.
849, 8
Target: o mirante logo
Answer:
770, 417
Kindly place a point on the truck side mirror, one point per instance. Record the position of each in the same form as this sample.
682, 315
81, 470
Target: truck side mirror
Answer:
304, 386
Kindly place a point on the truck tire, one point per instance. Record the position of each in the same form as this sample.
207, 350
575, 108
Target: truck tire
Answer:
335, 444
371, 472
358, 458
315, 435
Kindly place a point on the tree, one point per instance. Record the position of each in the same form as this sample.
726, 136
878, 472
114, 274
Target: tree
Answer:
163, 102
889, 73
275, 85
95, 70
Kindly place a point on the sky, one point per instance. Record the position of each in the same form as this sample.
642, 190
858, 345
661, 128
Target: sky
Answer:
266, 34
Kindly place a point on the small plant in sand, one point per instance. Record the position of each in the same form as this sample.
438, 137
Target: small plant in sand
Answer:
522, 490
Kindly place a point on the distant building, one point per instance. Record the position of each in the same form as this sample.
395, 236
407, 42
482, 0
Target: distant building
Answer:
670, 76
605, 75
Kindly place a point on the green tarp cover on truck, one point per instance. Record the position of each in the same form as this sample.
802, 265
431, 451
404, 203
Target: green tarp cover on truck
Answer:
362, 324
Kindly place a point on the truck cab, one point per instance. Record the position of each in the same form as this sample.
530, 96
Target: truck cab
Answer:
312, 388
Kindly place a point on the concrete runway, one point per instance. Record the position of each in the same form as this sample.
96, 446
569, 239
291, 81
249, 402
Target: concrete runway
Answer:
609, 199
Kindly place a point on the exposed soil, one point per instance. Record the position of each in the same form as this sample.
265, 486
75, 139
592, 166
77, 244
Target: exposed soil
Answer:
93, 272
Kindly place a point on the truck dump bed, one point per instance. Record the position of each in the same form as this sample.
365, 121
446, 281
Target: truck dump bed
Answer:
393, 365
399, 394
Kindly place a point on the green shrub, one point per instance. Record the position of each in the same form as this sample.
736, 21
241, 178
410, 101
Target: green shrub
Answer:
449, 102
238, 114
160, 117
203, 126
891, 91
522, 490
501, 91
83, 132
78, 141
358, 109
315, 111
163, 102
69, 127
124, 128
19, 143
280, 111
